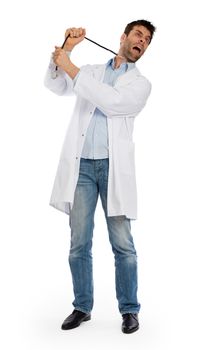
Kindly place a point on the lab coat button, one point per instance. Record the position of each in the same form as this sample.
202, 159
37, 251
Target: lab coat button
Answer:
82, 134
76, 157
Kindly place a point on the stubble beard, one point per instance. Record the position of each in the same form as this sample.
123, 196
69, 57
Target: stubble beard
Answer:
128, 55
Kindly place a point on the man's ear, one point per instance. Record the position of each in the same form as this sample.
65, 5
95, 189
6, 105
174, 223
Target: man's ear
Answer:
123, 37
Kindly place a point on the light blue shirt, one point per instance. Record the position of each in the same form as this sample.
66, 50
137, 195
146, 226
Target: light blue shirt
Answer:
96, 141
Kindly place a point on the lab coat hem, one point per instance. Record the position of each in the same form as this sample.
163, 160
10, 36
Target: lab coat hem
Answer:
64, 207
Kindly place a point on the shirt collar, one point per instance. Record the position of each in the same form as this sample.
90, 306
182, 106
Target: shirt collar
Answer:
126, 65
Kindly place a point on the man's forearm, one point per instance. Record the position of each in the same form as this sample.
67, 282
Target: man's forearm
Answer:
72, 70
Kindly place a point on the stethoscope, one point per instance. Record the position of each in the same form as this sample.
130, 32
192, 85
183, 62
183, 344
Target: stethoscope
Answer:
54, 73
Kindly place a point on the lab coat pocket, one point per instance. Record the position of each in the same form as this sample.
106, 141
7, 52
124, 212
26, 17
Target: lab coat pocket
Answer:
126, 156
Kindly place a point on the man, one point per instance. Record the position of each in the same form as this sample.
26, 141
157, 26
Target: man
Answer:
98, 158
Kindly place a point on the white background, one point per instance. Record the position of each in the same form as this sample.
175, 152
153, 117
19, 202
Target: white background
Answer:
170, 135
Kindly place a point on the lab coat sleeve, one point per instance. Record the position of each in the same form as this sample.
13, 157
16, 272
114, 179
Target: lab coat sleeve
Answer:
118, 101
62, 85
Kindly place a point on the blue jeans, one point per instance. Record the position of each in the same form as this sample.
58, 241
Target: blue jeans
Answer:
93, 179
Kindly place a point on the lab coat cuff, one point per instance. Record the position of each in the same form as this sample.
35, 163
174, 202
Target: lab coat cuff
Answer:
76, 78
52, 65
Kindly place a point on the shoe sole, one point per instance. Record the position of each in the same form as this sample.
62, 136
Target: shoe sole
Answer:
88, 318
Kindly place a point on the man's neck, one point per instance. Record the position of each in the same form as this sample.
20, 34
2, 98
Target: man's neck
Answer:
118, 61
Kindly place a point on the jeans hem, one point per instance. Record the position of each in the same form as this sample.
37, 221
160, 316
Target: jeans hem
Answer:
82, 310
129, 312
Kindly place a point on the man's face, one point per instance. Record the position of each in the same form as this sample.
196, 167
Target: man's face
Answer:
134, 45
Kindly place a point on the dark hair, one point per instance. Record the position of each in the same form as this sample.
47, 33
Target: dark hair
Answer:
140, 22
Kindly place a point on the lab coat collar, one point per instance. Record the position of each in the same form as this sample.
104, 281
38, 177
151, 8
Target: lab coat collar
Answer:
129, 65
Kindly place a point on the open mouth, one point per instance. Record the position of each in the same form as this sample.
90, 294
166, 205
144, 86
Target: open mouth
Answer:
136, 48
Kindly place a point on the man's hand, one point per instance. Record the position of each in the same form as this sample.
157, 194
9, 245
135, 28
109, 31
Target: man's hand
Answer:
76, 36
62, 60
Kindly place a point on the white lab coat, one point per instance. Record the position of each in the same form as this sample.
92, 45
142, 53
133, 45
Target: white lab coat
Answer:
120, 104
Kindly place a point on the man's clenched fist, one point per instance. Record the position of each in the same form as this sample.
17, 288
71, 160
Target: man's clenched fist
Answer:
60, 58
76, 36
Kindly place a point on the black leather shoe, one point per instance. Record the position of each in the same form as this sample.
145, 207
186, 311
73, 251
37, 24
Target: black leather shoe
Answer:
75, 319
130, 323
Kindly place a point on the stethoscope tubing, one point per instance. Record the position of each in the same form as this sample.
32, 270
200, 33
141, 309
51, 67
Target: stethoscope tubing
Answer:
92, 41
